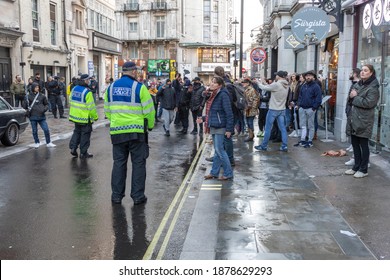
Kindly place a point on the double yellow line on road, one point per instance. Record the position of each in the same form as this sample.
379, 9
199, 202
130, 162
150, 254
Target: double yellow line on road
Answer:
181, 195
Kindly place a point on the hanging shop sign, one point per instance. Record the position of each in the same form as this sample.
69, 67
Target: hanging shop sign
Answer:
376, 14
310, 25
290, 42
258, 55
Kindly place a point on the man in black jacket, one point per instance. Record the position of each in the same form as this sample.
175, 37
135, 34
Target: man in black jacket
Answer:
184, 104
54, 93
197, 104
167, 97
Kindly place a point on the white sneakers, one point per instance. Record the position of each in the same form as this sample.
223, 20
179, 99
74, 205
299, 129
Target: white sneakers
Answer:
294, 134
350, 172
356, 174
50, 145
351, 162
349, 149
360, 175
36, 145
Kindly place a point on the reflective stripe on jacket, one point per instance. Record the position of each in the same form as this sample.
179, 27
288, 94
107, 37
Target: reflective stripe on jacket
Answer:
127, 103
82, 106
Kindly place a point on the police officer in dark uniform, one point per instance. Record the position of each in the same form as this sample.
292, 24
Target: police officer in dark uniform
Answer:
130, 109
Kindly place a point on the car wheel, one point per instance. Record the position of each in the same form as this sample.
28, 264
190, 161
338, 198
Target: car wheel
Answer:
11, 135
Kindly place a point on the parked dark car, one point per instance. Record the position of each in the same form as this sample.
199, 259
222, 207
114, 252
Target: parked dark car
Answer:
13, 121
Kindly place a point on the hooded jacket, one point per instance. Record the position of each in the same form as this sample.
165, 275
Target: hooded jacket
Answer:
40, 106
279, 92
310, 96
360, 121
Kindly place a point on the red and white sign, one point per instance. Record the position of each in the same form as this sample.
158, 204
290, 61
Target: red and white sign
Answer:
258, 55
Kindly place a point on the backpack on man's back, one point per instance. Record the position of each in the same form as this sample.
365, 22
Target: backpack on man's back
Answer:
238, 96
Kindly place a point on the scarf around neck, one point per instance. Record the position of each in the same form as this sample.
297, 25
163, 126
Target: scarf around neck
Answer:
208, 106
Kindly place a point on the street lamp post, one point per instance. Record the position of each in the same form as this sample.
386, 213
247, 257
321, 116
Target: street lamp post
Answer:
235, 22
241, 36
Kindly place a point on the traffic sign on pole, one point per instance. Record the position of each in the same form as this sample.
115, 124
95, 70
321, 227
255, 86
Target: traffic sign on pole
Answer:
258, 55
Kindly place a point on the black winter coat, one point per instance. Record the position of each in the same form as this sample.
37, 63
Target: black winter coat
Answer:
39, 107
360, 121
197, 100
167, 97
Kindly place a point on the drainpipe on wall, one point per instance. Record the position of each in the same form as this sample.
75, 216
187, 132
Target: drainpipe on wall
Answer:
67, 48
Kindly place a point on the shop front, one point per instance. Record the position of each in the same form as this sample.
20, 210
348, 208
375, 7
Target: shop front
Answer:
374, 48
103, 56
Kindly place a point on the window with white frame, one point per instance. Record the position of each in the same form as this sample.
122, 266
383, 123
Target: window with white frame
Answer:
79, 19
91, 19
206, 33
35, 20
160, 52
133, 52
206, 11
160, 22
133, 27
53, 24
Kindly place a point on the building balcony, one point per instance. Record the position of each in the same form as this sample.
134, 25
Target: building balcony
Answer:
159, 6
131, 7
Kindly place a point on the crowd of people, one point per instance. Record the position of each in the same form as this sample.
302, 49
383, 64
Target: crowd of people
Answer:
287, 106
222, 108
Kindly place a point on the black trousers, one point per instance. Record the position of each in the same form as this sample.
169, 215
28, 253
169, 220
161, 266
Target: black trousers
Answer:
195, 115
361, 153
183, 116
19, 99
262, 116
139, 152
81, 137
55, 101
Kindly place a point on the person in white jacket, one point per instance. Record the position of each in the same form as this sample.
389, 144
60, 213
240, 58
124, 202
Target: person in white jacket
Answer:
277, 110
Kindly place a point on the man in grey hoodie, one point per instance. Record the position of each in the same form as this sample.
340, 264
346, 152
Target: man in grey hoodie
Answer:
277, 110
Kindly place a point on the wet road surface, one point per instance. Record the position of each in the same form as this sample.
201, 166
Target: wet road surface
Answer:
295, 205
53, 206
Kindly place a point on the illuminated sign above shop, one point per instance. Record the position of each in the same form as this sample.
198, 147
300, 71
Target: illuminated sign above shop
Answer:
376, 13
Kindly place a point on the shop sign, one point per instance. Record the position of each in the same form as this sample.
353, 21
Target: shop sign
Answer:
376, 14
291, 42
311, 24
209, 67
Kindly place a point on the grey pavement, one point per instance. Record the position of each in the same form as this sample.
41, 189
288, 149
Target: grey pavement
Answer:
59, 129
295, 205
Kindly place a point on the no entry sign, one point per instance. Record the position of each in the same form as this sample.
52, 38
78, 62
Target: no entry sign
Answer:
258, 55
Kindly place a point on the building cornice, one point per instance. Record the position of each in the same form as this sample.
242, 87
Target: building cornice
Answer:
205, 45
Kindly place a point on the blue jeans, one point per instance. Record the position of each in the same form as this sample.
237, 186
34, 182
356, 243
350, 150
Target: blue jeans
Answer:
43, 124
249, 122
221, 158
280, 116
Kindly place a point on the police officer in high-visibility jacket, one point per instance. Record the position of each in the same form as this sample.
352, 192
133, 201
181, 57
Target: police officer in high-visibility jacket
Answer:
83, 113
129, 107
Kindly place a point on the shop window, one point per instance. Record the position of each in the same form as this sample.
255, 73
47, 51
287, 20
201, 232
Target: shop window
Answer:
213, 56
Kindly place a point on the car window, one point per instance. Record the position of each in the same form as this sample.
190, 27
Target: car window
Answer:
3, 106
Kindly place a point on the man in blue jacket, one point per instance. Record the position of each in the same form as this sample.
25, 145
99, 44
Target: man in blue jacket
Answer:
309, 101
